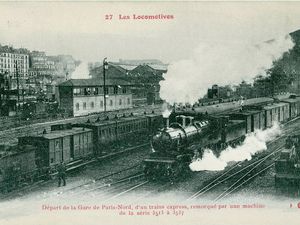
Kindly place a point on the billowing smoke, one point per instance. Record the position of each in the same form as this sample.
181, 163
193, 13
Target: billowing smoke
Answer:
81, 72
219, 63
166, 111
254, 142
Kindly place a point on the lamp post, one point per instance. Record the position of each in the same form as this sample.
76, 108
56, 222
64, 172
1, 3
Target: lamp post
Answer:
105, 67
18, 84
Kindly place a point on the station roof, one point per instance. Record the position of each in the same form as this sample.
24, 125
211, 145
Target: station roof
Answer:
92, 82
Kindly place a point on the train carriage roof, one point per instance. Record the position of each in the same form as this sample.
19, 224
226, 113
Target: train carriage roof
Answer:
247, 112
291, 100
275, 105
113, 121
221, 107
61, 133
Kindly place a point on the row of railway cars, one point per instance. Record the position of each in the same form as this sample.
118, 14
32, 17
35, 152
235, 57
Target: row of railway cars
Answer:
176, 145
173, 146
71, 143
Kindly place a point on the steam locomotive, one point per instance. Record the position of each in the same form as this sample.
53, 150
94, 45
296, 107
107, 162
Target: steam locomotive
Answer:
175, 146
189, 134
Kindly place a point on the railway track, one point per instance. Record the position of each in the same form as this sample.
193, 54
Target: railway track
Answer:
238, 178
244, 175
115, 189
127, 190
41, 183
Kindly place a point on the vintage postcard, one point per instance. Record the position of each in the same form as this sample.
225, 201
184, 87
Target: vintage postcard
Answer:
143, 113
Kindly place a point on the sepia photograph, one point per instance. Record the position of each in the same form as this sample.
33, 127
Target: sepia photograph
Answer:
149, 113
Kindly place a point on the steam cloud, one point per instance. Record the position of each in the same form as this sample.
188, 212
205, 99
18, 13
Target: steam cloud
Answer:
219, 63
255, 142
166, 112
81, 72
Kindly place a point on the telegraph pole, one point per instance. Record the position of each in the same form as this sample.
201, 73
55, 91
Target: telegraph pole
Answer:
105, 67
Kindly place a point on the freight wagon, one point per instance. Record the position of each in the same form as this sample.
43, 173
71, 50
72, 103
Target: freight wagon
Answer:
17, 165
62, 145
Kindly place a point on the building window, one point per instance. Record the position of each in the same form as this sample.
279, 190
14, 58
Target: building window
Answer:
111, 90
77, 106
101, 104
84, 106
111, 102
92, 105
120, 101
124, 90
128, 101
76, 91
106, 90
115, 90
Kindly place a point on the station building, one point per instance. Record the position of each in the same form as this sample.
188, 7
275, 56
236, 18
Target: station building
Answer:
78, 97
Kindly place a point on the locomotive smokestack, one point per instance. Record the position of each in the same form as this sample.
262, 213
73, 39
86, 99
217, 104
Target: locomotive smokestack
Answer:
166, 122
166, 113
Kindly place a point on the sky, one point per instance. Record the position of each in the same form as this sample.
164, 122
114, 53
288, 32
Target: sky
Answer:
80, 28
